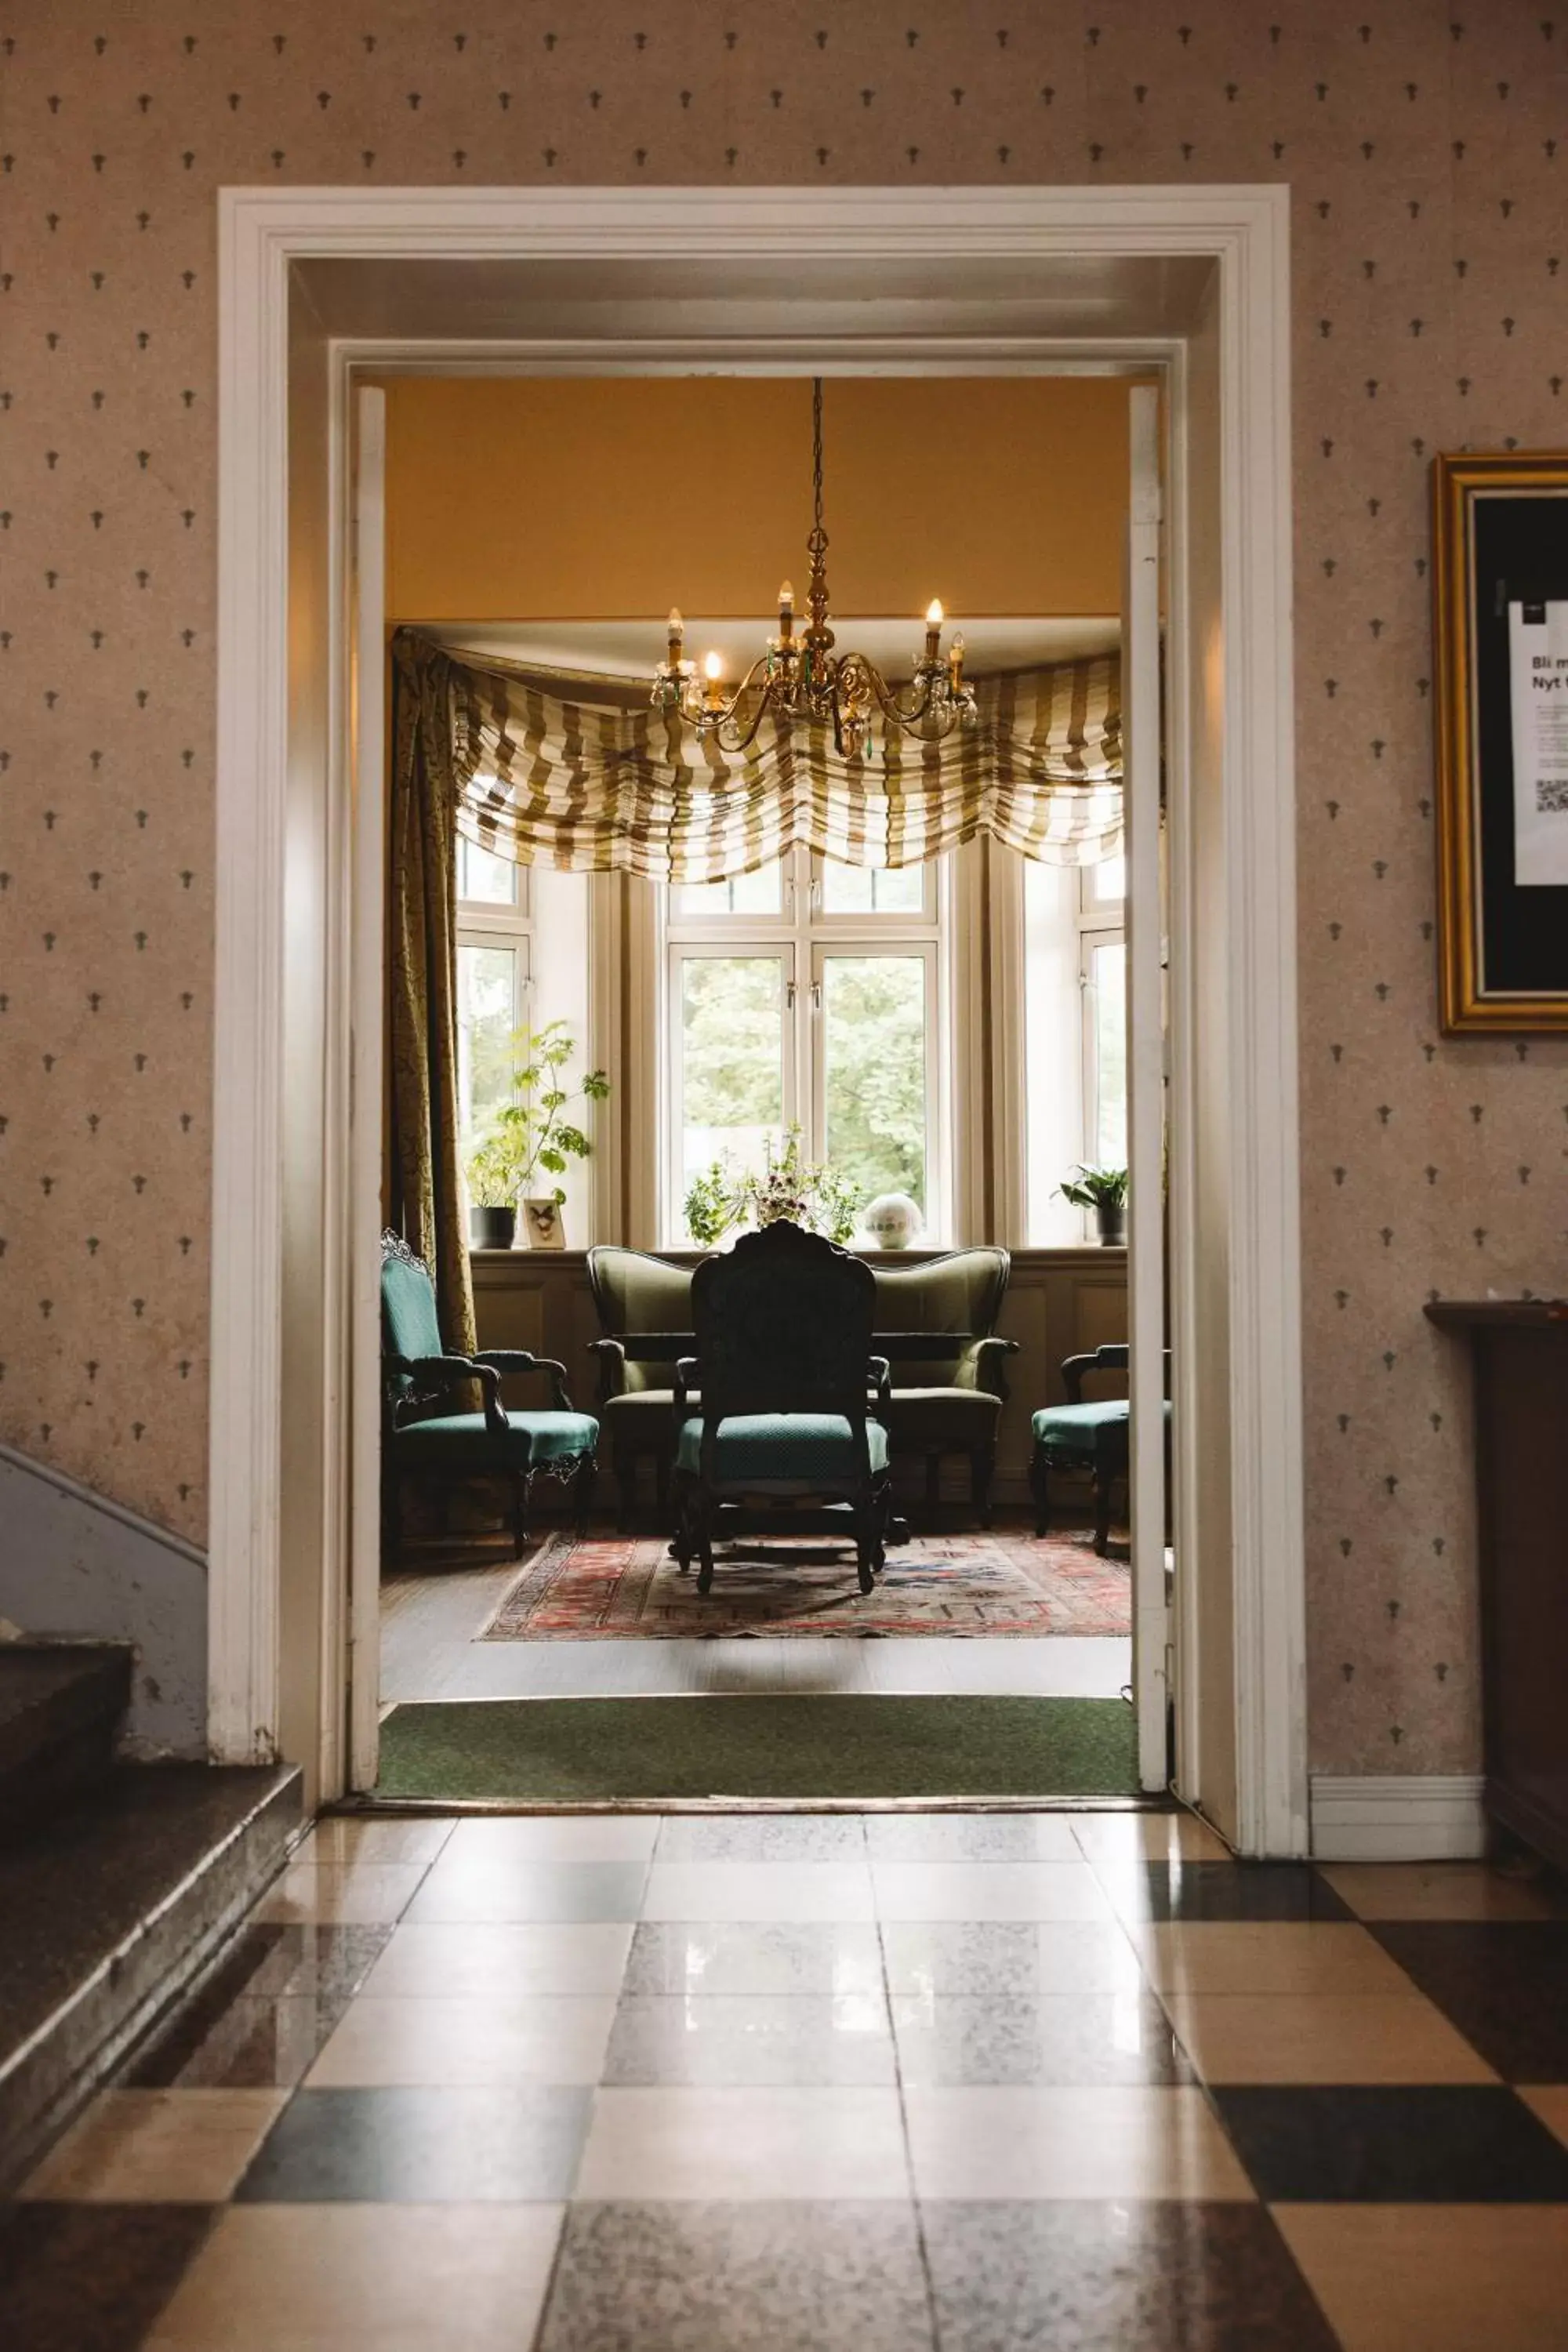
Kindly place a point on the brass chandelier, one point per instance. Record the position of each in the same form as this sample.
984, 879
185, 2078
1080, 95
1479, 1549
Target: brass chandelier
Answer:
800, 679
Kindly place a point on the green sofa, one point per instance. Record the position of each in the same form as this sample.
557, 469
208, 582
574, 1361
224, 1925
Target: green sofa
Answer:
949, 1386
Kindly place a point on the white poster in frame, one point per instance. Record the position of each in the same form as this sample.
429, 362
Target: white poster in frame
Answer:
1538, 710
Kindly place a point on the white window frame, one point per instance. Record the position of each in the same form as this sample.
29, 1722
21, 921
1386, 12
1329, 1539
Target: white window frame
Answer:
802, 934
1101, 923
482, 923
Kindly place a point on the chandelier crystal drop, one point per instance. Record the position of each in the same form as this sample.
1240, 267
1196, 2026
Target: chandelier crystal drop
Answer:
800, 680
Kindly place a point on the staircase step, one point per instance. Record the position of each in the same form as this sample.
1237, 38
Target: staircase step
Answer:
108, 1913
61, 1703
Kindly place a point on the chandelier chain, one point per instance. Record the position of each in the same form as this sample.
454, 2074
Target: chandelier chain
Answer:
816, 447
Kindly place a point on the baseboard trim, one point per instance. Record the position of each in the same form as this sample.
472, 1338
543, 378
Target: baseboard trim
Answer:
1415, 1817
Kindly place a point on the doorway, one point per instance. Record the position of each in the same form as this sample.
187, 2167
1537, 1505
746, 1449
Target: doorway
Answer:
278, 1639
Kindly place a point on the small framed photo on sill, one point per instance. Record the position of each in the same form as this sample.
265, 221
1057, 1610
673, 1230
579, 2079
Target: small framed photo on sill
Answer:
1501, 580
540, 1226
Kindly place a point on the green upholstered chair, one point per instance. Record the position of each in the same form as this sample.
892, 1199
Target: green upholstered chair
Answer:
784, 1358
424, 1433
1079, 1435
947, 1400
638, 1296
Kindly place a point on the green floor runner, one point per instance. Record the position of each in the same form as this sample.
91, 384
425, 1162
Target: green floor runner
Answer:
605, 1750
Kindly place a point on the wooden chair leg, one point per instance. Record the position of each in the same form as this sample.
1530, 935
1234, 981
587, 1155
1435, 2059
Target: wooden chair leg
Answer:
1103, 1483
626, 1486
1040, 1486
933, 1483
519, 1511
981, 1470
583, 1487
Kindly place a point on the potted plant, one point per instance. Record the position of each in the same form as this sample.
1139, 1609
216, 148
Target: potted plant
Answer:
811, 1194
1103, 1190
530, 1135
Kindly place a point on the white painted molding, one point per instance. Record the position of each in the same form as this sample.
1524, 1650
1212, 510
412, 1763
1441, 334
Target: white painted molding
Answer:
1243, 230
1435, 1817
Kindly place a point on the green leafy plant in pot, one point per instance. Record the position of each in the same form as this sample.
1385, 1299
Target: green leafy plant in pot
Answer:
811, 1193
1103, 1190
530, 1138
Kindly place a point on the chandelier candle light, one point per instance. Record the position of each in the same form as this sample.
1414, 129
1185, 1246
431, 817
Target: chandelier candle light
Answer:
801, 678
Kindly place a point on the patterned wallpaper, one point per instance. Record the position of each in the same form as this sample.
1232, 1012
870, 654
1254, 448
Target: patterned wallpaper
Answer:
1427, 147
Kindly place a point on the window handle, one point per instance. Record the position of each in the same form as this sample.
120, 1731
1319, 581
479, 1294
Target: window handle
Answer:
789, 995
816, 996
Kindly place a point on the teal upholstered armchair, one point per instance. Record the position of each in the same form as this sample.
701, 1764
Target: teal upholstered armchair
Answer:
1091, 1435
948, 1399
424, 1437
784, 1357
646, 1299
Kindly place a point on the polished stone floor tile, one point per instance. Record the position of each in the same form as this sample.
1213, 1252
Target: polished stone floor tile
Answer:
1147, 1837
399, 2278
1263, 1957
157, 2147
1088, 2037
762, 1837
340, 1838
493, 1962
971, 1837
1448, 2143
828, 1958
1444, 1890
744, 2144
980, 1890
1002, 2143
248, 2043
745, 1891
497, 1891
90, 2278
510, 2038
1087, 2276
1436, 2278
559, 1837
1229, 1890
1500, 1982
452, 2146
274, 1961
1006, 1963
1322, 2037
738, 2277
757, 2039
361, 1892
1550, 2102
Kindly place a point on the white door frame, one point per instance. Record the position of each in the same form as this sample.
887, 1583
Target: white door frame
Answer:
1244, 231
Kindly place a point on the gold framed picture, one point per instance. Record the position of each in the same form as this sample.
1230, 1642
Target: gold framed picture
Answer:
1501, 576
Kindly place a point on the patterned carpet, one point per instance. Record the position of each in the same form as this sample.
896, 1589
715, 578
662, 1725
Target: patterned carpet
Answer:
998, 1584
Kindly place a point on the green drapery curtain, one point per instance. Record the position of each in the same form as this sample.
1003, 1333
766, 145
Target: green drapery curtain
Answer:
553, 769
427, 1195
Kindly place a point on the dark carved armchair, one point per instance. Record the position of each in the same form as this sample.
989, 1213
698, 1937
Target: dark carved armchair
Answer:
784, 1357
424, 1437
1094, 1435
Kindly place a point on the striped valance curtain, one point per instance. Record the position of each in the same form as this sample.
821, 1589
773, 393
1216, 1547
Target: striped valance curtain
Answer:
553, 768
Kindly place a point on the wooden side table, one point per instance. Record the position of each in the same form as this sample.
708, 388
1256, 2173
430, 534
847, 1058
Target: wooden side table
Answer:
1521, 1353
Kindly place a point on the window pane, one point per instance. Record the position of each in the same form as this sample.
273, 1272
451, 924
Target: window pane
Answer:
872, 889
731, 1059
487, 880
487, 1016
874, 1071
1108, 979
1106, 880
760, 893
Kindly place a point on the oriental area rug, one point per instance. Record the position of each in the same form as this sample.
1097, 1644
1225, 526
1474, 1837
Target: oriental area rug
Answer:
1001, 1583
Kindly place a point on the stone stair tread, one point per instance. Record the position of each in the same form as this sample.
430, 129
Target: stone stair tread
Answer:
104, 1913
49, 1690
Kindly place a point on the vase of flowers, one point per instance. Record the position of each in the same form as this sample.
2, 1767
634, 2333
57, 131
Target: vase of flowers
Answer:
1103, 1190
530, 1138
811, 1193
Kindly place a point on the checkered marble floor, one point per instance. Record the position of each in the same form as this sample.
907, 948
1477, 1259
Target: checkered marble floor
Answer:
928, 2083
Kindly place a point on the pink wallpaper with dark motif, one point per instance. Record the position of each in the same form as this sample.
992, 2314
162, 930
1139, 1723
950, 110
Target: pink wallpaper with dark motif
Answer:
1424, 145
